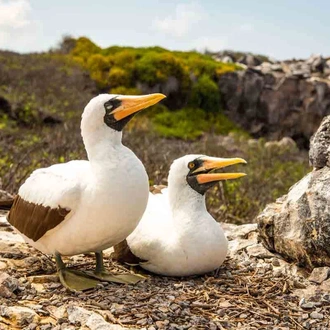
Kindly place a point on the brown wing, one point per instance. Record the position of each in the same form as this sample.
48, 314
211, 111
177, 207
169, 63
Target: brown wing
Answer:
123, 253
34, 220
157, 189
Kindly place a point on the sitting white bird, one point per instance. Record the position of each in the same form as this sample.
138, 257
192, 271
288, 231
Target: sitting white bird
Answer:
176, 235
88, 206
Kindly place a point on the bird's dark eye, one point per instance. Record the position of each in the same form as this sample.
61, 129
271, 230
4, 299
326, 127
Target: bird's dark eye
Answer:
108, 106
191, 165
111, 105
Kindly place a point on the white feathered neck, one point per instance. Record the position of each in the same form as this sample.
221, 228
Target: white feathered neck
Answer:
100, 140
182, 198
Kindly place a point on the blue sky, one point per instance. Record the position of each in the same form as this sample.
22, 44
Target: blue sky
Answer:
281, 29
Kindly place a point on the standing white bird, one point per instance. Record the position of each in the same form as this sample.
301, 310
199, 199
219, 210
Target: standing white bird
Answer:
87, 206
176, 235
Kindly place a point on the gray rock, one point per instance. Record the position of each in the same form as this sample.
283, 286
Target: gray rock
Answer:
287, 143
277, 67
8, 285
249, 60
317, 63
78, 314
327, 64
297, 226
237, 245
308, 305
319, 274
97, 322
275, 104
319, 153
234, 231
92, 320
300, 69
316, 315
22, 316
226, 59
257, 250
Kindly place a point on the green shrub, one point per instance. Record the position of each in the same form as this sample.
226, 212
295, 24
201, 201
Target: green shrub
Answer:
156, 67
153, 66
202, 66
97, 62
191, 123
205, 95
98, 66
187, 124
84, 48
119, 77
270, 174
125, 58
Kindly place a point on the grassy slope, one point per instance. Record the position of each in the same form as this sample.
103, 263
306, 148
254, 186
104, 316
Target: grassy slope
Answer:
39, 85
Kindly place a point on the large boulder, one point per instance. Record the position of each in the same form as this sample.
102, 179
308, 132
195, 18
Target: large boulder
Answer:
297, 225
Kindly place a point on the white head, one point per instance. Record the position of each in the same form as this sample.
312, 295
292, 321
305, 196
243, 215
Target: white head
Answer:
192, 175
106, 115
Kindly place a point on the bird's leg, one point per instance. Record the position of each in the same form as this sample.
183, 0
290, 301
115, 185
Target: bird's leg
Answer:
102, 275
59, 262
99, 263
72, 279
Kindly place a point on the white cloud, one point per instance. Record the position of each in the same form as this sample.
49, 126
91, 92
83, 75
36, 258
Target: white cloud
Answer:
182, 21
17, 29
14, 14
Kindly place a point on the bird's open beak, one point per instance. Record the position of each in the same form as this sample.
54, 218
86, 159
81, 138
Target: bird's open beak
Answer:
212, 163
133, 104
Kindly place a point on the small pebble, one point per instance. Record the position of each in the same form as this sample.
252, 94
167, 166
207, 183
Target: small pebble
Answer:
316, 315
46, 327
308, 305
142, 322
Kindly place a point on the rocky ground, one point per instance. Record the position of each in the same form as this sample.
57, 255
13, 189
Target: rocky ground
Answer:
254, 289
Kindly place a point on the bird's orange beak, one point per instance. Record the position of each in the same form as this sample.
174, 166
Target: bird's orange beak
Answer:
133, 104
213, 163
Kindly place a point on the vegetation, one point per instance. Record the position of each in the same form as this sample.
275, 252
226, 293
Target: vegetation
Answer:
42, 97
192, 123
193, 76
271, 171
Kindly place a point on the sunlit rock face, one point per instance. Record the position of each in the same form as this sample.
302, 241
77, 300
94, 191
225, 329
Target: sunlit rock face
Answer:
297, 225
